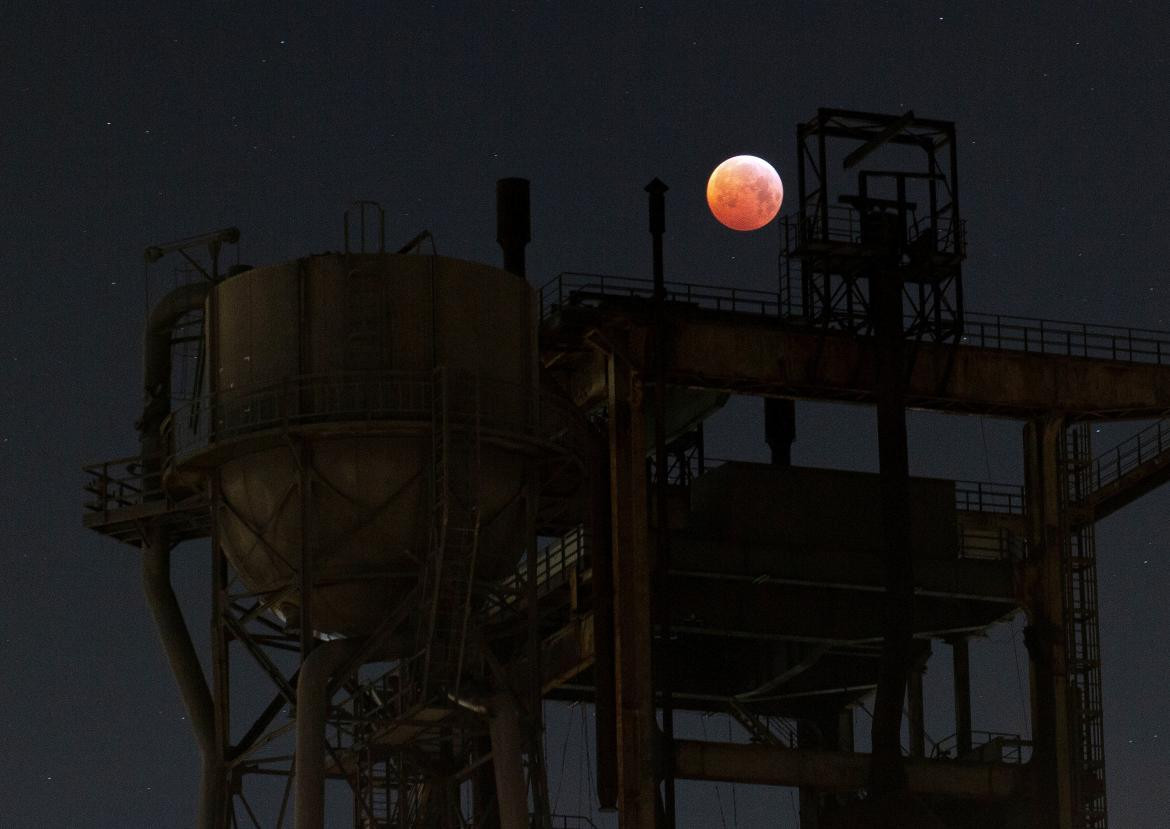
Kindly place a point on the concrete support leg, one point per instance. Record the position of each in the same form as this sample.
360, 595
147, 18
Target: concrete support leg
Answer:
632, 569
312, 708
1052, 714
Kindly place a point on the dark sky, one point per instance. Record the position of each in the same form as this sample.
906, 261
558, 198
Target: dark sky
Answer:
127, 124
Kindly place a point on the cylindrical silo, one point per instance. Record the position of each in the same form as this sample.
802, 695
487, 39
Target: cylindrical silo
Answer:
354, 373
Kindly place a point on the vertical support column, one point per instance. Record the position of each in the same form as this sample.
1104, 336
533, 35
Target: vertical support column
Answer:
845, 729
780, 429
1052, 714
308, 543
661, 676
605, 700
818, 735
637, 788
220, 656
507, 739
887, 769
915, 713
961, 659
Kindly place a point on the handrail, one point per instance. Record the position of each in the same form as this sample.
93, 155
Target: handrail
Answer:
1113, 464
503, 408
566, 554
500, 406
1011, 745
999, 332
985, 496
119, 483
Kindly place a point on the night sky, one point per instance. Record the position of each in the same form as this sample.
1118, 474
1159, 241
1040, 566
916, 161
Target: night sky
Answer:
131, 124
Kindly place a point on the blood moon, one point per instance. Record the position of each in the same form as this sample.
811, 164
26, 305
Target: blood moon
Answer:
744, 192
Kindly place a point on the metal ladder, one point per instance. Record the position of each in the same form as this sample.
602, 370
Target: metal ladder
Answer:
1084, 645
449, 572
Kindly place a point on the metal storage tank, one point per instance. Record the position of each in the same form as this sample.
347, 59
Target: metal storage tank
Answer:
360, 368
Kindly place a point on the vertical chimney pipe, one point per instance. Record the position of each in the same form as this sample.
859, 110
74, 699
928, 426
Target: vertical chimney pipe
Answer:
513, 222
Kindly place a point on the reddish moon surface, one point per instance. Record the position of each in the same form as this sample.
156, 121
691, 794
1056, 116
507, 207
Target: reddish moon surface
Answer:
745, 192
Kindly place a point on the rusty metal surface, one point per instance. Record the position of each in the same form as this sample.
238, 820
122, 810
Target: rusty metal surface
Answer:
741, 343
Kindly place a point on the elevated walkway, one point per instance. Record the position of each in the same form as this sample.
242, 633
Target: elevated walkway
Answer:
1128, 471
758, 342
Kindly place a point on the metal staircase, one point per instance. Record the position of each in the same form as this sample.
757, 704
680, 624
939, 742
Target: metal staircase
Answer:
774, 731
1084, 646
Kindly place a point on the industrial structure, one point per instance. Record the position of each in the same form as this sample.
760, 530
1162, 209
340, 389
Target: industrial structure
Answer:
437, 499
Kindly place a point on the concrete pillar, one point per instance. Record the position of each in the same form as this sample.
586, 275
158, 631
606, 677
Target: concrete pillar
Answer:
1052, 714
632, 569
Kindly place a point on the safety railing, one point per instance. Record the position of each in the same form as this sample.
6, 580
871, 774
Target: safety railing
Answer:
119, 483
568, 822
386, 697
981, 496
1113, 464
988, 331
501, 407
990, 746
553, 566
1070, 339
843, 225
588, 289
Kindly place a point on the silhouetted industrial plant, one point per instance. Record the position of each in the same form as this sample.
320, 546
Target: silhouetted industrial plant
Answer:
438, 499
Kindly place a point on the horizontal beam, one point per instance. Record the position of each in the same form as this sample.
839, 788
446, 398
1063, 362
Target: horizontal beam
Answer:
742, 353
739, 356
805, 613
861, 570
761, 764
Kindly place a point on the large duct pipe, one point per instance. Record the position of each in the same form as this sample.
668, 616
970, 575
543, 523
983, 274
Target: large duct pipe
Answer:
513, 222
507, 758
156, 369
156, 551
312, 708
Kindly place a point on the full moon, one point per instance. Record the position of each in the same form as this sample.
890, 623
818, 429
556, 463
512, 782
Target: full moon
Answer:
745, 192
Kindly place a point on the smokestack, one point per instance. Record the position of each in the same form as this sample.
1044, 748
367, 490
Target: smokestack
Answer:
513, 222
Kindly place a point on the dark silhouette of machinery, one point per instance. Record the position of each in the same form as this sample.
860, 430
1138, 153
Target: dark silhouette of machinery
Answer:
436, 499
